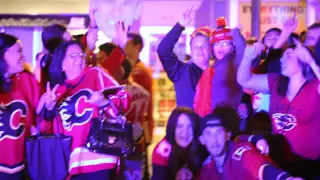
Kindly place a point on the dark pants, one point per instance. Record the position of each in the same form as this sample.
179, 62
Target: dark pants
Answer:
99, 175
15, 176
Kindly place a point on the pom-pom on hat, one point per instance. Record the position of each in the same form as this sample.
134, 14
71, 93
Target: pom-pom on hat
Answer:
222, 33
204, 30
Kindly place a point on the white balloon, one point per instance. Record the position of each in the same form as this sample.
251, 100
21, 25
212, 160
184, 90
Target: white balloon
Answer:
111, 11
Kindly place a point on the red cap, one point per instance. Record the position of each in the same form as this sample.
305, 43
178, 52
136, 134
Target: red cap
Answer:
204, 30
222, 33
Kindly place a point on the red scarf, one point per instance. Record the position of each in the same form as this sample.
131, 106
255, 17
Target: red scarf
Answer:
203, 97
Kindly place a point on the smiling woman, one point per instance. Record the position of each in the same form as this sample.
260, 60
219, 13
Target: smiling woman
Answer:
11, 59
294, 95
19, 95
179, 151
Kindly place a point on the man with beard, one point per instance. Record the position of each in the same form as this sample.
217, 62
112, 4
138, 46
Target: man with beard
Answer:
229, 160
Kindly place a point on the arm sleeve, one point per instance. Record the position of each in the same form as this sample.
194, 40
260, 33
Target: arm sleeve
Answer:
253, 139
271, 172
240, 45
253, 161
169, 60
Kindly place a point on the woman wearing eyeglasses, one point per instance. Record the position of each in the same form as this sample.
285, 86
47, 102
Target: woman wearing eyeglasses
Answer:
74, 84
218, 85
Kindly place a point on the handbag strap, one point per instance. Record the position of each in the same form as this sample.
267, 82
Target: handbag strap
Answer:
41, 119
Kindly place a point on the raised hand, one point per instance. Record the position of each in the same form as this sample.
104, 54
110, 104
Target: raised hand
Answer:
302, 52
187, 17
92, 35
290, 24
92, 38
51, 96
121, 33
253, 51
93, 22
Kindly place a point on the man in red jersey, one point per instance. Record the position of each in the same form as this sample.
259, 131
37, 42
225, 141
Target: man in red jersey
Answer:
229, 160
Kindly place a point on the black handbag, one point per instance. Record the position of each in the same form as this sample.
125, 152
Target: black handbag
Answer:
111, 135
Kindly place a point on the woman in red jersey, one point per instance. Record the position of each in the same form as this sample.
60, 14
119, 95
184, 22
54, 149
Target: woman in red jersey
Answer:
179, 154
19, 95
74, 83
294, 97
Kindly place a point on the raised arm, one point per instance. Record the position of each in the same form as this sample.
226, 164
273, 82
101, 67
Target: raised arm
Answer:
288, 27
170, 62
244, 76
240, 45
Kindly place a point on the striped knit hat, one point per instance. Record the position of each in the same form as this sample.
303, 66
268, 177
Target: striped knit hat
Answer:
204, 30
222, 33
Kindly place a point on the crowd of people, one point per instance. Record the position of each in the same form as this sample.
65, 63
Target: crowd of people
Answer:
252, 107
218, 129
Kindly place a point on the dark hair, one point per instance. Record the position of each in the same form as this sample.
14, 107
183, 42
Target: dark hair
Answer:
38, 55
283, 82
197, 35
6, 41
107, 48
303, 36
136, 39
179, 157
127, 69
230, 118
57, 76
291, 37
314, 26
251, 41
271, 30
78, 37
52, 36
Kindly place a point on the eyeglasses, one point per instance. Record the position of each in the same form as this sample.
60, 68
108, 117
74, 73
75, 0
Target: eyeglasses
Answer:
199, 47
270, 38
223, 43
75, 55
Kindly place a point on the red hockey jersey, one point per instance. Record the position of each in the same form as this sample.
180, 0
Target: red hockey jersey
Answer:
138, 109
17, 118
297, 120
75, 115
244, 162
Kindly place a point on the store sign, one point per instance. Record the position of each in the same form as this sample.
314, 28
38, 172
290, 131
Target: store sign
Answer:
272, 14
